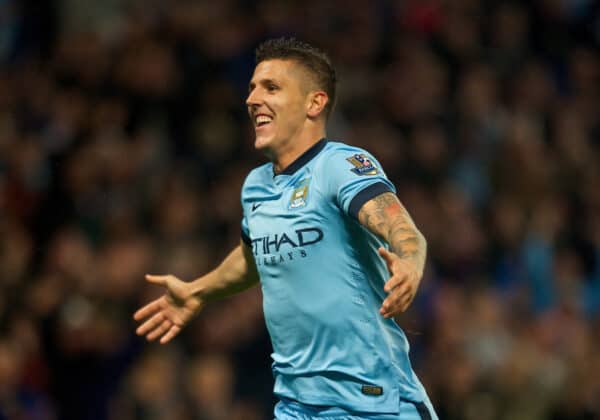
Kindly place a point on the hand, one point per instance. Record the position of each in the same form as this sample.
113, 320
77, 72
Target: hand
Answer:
401, 286
167, 315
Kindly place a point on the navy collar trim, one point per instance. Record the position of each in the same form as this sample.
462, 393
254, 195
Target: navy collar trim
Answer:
303, 159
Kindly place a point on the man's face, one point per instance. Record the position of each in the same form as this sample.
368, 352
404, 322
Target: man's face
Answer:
277, 102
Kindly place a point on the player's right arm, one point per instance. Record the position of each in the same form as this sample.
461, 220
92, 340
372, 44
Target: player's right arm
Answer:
167, 315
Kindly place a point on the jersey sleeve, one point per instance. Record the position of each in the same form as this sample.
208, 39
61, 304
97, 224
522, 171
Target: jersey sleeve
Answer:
353, 177
245, 232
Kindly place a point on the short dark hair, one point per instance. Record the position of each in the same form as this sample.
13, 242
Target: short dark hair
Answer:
311, 58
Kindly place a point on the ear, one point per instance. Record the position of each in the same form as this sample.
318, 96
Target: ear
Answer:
316, 103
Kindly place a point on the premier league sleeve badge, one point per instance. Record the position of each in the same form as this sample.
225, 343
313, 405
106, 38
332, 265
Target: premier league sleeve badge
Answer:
362, 165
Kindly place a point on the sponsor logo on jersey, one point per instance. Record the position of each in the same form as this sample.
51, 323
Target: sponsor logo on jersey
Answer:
284, 247
280, 241
362, 165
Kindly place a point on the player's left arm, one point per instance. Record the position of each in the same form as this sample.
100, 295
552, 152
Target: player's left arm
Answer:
387, 218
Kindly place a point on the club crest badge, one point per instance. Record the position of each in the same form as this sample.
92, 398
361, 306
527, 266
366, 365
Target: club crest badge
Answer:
362, 165
299, 197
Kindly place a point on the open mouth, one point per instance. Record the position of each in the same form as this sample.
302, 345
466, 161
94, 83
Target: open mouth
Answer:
262, 120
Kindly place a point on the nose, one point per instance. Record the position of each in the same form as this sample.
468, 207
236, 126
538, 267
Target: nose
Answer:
253, 98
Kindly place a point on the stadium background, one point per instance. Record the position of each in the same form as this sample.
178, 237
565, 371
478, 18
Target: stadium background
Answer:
124, 142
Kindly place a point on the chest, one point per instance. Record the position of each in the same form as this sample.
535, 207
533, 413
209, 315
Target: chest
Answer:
293, 216
284, 206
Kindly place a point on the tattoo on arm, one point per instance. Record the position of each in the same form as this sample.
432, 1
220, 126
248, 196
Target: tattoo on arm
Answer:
386, 217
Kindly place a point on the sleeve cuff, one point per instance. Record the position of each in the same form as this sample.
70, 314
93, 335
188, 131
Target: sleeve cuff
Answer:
365, 195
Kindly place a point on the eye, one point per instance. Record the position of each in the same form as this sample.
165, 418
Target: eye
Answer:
271, 87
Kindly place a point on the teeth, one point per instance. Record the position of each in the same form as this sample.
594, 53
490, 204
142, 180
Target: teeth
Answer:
261, 119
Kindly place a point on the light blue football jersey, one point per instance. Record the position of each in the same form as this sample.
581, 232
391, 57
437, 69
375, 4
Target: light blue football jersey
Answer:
322, 281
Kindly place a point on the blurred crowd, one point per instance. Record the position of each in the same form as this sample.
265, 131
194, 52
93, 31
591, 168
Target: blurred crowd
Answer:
124, 142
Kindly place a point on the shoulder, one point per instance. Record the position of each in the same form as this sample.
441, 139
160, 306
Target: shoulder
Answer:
339, 148
338, 155
257, 180
344, 153
259, 175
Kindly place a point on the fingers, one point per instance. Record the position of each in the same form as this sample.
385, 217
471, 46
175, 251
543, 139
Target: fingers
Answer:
156, 323
153, 306
150, 324
173, 331
158, 280
148, 310
393, 282
397, 277
397, 302
159, 331
166, 330
387, 256
393, 311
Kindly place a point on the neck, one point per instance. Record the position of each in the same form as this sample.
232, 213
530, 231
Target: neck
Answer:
294, 148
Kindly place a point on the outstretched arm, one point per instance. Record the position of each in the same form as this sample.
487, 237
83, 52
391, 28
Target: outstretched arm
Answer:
236, 273
167, 315
387, 218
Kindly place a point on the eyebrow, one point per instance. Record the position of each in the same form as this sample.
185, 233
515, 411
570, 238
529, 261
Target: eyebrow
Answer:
251, 85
